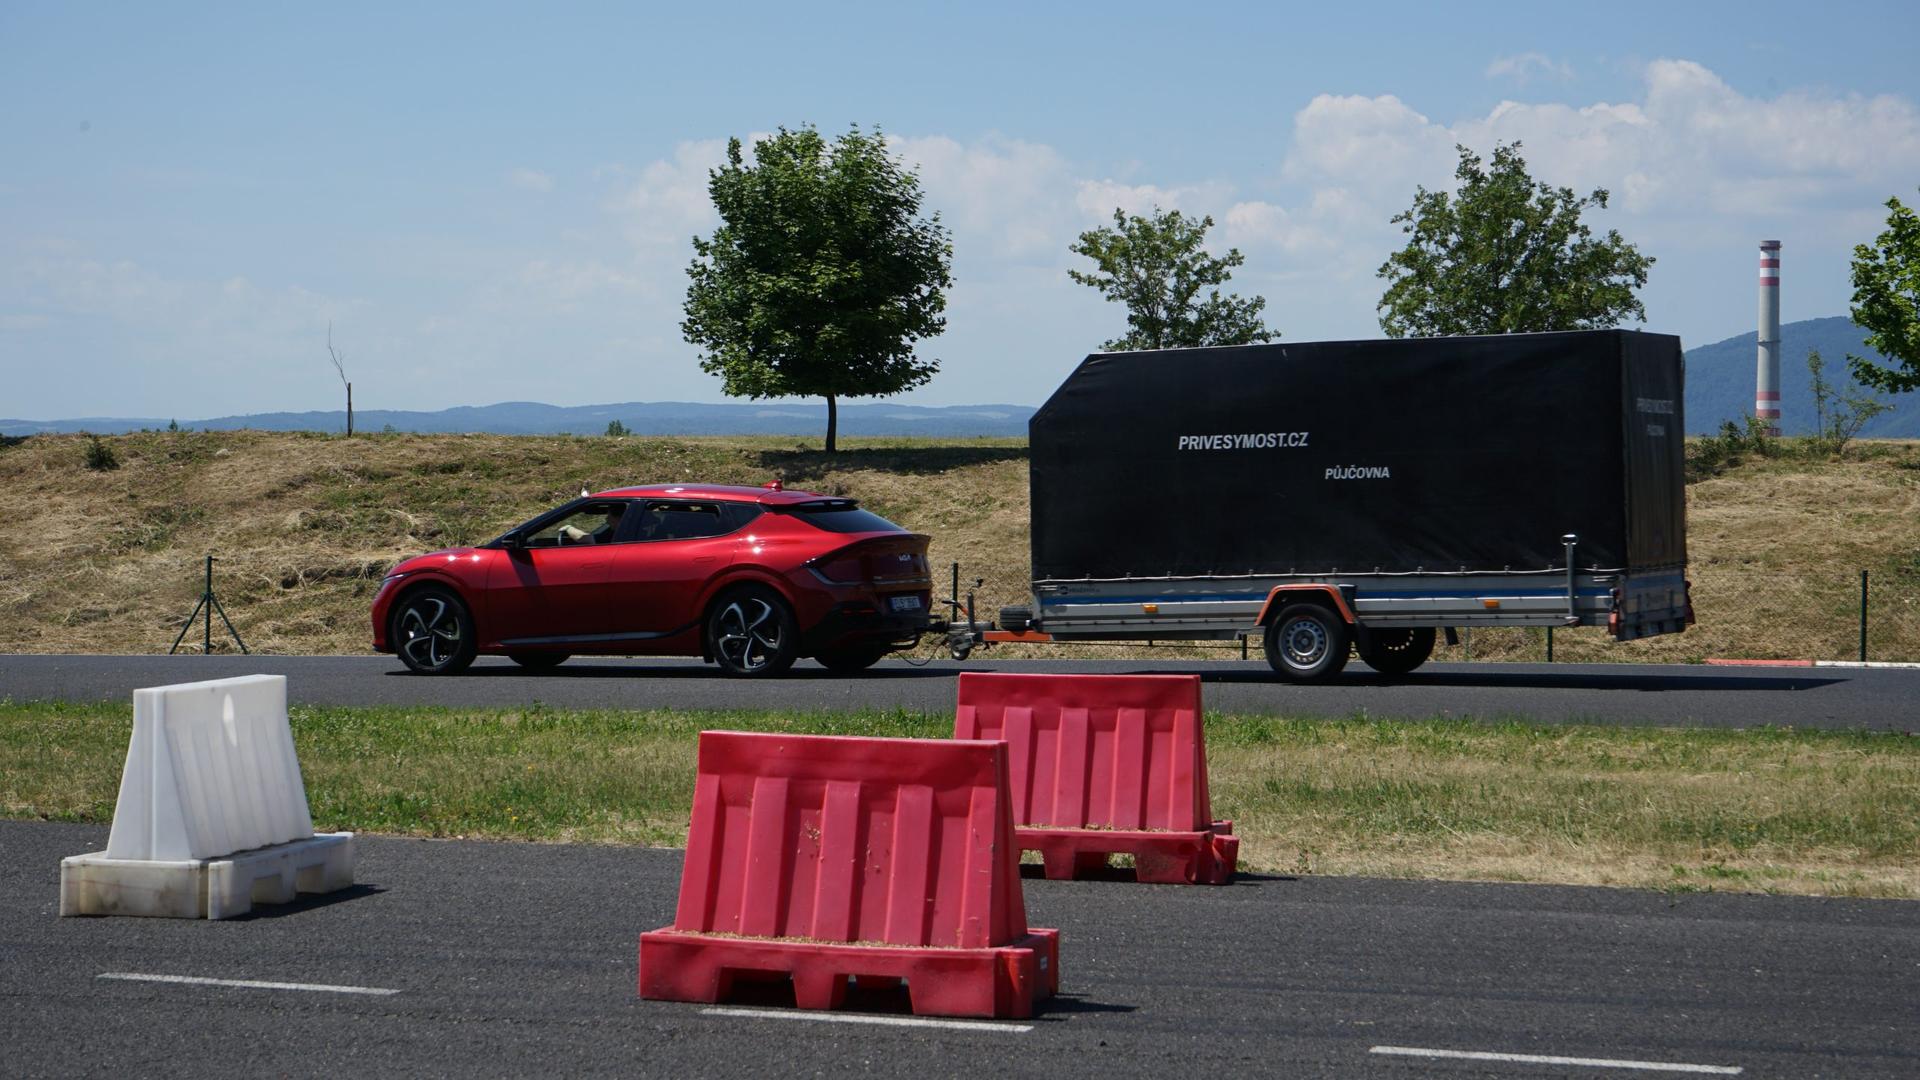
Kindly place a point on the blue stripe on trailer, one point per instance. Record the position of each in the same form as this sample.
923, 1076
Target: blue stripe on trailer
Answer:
1364, 594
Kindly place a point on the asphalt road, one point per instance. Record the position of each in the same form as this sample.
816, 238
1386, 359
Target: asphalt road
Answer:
1677, 695
519, 959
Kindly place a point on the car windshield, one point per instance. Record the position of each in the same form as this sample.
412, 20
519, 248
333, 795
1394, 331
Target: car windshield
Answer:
841, 516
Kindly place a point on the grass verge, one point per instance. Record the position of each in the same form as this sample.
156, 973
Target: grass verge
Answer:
1768, 810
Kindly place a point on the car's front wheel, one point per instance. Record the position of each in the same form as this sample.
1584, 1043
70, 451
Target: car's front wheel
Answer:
751, 631
433, 632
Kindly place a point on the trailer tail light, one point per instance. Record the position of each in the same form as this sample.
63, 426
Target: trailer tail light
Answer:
1613, 616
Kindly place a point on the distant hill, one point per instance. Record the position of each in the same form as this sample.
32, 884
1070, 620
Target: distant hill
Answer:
1720, 379
1719, 388
639, 417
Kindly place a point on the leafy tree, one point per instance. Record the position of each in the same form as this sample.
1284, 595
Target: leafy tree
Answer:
616, 429
1886, 301
1156, 266
1506, 255
822, 274
1839, 412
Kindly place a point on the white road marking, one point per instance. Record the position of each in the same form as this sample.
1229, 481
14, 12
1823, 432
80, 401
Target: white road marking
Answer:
252, 984
880, 1021
1546, 1059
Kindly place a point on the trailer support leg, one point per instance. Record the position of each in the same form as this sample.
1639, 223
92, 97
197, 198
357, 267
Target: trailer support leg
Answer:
1573, 596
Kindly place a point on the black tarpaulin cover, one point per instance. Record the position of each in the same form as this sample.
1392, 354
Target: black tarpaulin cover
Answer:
1432, 454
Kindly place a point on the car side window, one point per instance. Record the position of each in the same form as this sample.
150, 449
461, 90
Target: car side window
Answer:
738, 515
593, 523
681, 521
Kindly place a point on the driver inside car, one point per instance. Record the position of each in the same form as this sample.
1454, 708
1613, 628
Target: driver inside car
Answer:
570, 534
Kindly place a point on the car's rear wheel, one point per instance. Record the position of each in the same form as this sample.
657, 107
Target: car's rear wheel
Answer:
539, 661
1307, 643
850, 660
433, 633
1398, 650
751, 631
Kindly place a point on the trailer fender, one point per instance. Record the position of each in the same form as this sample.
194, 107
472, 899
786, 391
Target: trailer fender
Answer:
1282, 595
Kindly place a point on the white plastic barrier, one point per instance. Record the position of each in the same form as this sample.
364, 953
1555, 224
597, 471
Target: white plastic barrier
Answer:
212, 814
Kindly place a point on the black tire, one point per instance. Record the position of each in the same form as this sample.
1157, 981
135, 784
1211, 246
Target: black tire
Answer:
432, 632
1016, 619
1398, 650
751, 632
851, 660
1308, 643
539, 661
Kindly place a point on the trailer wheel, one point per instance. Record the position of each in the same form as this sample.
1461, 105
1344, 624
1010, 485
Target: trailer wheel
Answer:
1307, 643
1398, 650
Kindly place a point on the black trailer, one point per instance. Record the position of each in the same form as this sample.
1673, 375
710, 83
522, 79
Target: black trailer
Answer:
1363, 494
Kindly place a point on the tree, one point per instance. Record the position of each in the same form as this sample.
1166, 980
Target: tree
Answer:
822, 274
1886, 302
616, 429
1839, 412
1156, 266
1506, 255
340, 368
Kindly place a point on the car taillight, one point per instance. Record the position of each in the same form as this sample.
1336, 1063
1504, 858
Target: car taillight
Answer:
847, 569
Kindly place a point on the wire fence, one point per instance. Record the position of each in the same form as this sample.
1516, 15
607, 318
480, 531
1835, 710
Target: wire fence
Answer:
1747, 613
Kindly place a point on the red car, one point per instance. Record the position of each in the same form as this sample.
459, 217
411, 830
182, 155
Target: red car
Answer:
748, 578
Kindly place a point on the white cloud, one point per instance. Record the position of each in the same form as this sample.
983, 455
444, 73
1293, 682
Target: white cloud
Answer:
1522, 67
530, 180
665, 202
1004, 196
1365, 142
1691, 145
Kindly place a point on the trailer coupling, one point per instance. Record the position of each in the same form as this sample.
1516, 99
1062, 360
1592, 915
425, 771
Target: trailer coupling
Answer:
964, 632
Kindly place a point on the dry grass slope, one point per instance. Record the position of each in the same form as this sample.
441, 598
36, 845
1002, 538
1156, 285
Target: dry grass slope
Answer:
305, 525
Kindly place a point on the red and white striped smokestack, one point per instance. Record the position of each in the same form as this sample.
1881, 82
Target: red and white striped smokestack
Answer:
1766, 381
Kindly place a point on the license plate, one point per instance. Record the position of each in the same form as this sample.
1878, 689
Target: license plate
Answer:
904, 603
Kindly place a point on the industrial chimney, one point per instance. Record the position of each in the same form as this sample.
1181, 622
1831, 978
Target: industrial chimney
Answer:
1766, 379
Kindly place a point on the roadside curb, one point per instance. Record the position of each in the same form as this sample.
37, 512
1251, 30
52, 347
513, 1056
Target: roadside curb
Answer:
1817, 663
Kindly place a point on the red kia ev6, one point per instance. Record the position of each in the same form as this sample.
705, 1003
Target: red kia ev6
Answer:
751, 579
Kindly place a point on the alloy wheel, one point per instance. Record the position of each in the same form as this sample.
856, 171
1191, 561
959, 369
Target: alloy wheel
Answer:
430, 634
747, 634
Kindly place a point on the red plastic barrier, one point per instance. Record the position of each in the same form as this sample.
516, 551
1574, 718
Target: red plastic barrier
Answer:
826, 857
1103, 765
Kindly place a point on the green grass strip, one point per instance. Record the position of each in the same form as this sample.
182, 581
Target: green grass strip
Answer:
1833, 812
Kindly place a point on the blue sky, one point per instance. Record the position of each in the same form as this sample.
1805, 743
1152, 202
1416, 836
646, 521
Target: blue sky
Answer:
494, 202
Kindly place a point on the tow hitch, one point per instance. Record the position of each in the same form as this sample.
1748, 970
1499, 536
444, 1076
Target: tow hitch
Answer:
962, 631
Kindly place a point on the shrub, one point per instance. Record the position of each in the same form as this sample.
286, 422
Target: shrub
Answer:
100, 456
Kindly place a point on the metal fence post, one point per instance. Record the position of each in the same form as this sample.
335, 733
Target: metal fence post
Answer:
1863, 616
